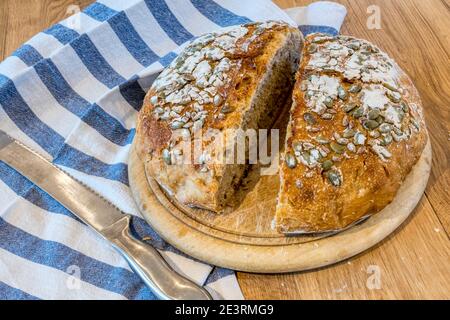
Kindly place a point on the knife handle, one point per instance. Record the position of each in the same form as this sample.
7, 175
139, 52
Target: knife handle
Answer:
148, 263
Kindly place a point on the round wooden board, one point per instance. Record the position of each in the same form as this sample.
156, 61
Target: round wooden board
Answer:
244, 240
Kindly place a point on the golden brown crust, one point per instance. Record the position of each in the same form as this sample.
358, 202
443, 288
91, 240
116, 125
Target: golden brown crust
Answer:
209, 86
345, 181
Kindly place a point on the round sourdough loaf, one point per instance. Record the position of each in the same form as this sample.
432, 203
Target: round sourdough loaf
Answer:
237, 78
356, 130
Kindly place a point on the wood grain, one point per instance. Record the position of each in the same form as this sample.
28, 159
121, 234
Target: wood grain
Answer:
22, 19
414, 261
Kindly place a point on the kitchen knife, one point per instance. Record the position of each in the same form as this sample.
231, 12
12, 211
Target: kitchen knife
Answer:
103, 217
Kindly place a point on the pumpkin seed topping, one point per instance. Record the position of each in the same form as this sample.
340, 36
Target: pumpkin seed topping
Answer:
348, 133
327, 165
349, 107
358, 113
359, 138
373, 114
345, 121
297, 146
312, 48
355, 88
390, 87
385, 127
167, 157
394, 96
387, 140
158, 110
291, 162
327, 116
322, 140
342, 141
218, 100
176, 125
371, 124
404, 106
154, 100
351, 147
415, 123
342, 94
334, 178
309, 118
336, 147
226, 109
328, 102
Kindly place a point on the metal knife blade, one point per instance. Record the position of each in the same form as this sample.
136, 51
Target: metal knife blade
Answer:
103, 217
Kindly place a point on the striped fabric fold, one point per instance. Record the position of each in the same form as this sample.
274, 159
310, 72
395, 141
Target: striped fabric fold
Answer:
72, 93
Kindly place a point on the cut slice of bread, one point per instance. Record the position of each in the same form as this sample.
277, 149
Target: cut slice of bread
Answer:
235, 79
356, 130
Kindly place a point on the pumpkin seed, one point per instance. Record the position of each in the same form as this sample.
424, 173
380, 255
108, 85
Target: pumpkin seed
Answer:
355, 88
394, 96
327, 116
359, 138
374, 134
354, 46
342, 94
327, 165
322, 140
297, 146
380, 119
351, 147
336, 147
309, 118
373, 114
405, 106
176, 125
387, 140
415, 123
390, 87
159, 110
218, 100
308, 146
291, 162
336, 136
307, 157
358, 113
345, 121
166, 156
312, 48
328, 102
371, 124
312, 129
323, 152
226, 108
331, 111
385, 127
342, 141
348, 133
349, 107
334, 178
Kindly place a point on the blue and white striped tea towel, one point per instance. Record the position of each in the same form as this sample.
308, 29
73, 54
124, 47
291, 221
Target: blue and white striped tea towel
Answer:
72, 93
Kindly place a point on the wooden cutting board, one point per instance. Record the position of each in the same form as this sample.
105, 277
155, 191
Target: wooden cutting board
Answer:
244, 240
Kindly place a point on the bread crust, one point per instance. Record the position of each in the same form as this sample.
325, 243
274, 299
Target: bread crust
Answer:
350, 177
228, 105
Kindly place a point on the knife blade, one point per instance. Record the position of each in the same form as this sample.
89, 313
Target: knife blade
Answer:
103, 217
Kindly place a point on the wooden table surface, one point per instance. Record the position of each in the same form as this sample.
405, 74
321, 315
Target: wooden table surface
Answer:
414, 262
